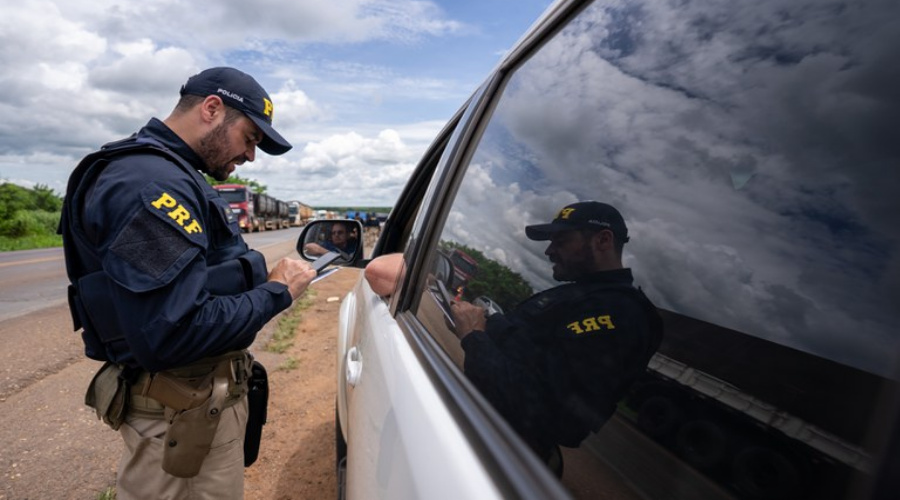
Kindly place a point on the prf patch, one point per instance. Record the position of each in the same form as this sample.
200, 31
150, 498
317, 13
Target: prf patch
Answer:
592, 324
165, 203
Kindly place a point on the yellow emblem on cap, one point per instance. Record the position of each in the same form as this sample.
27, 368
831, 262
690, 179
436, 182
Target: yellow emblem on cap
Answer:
565, 213
268, 108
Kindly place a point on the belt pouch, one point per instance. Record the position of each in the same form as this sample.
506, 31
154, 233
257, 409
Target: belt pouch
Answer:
257, 401
107, 394
190, 433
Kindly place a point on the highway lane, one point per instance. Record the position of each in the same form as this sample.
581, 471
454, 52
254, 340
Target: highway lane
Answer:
31, 280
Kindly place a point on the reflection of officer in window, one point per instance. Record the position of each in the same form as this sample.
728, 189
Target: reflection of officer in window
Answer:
556, 365
342, 241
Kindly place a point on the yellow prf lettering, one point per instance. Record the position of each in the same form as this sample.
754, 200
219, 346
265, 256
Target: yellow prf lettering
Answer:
164, 201
180, 215
606, 321
193, 227
565, 213
268, 108
575, 327
590, 324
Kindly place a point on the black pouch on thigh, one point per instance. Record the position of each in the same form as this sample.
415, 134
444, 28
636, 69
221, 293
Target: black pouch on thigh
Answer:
190, 433
257, 401
107, 394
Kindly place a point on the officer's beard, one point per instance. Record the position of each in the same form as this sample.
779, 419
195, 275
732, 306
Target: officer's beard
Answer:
573, 266
212, 149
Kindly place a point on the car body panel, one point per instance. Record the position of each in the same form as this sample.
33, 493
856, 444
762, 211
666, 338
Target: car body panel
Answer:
403, 443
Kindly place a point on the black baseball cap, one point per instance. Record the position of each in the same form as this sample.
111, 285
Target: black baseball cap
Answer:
581, 215
240, 91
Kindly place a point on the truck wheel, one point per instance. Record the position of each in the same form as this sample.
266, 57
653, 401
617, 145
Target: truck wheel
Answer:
761, 473
658, 416
702, 443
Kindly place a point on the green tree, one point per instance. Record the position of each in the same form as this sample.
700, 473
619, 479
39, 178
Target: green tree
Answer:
28, 217
46, 199
12, 199
253, 184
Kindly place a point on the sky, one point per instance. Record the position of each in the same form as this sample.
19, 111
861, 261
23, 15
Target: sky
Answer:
360, 87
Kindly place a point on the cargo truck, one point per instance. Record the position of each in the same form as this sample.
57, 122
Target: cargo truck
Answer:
242, 203
255, 211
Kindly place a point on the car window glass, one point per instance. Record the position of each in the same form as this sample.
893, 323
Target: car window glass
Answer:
751, 151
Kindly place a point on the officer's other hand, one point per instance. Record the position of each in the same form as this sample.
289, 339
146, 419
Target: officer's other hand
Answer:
295, 273
468, 318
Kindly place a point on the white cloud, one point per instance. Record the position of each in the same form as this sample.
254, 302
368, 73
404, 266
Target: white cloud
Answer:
346, 168
79, 74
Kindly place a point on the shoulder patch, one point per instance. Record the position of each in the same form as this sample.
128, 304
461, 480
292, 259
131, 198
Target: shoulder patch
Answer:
174, 210
151, 248
157, 243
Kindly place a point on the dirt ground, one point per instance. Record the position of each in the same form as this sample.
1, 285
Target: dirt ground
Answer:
296, 458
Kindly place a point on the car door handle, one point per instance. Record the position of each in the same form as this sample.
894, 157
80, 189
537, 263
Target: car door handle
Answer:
354, 366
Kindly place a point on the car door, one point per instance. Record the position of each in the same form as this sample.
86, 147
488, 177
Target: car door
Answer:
746, 146
749, 150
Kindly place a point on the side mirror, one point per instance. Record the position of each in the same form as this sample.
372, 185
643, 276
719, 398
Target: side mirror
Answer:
343, 236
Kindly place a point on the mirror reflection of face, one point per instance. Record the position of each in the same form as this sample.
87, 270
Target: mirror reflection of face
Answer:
339, 235
571, 255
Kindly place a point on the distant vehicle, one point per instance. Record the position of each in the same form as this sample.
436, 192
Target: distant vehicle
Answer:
751, 149
255, 211
242, 203
299, 213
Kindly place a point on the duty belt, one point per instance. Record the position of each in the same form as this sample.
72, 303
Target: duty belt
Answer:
188, 387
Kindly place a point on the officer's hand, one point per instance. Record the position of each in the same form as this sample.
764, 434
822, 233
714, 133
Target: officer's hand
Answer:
468, 318
296, 274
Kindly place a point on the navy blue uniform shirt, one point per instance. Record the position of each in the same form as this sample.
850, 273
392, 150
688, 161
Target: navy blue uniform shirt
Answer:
158, 230
557, 364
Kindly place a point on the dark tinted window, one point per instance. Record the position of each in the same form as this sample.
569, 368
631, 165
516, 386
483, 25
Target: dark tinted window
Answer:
752, 150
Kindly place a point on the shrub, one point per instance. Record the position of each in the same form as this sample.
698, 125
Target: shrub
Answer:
29, 223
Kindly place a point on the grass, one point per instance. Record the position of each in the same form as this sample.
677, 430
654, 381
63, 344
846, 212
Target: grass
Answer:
107, 494
289, 364
286, 327
30, 242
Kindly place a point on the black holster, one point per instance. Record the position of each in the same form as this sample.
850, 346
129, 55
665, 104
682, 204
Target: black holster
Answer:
257, 401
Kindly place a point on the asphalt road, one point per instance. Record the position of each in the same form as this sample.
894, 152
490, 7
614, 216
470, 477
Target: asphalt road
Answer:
51, 445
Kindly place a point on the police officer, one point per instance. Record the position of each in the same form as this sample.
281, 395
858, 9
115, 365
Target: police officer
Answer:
557, 364
168, 294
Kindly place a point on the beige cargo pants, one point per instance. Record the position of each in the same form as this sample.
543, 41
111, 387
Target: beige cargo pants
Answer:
141, 477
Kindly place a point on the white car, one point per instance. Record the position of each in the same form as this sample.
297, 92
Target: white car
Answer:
751, 148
